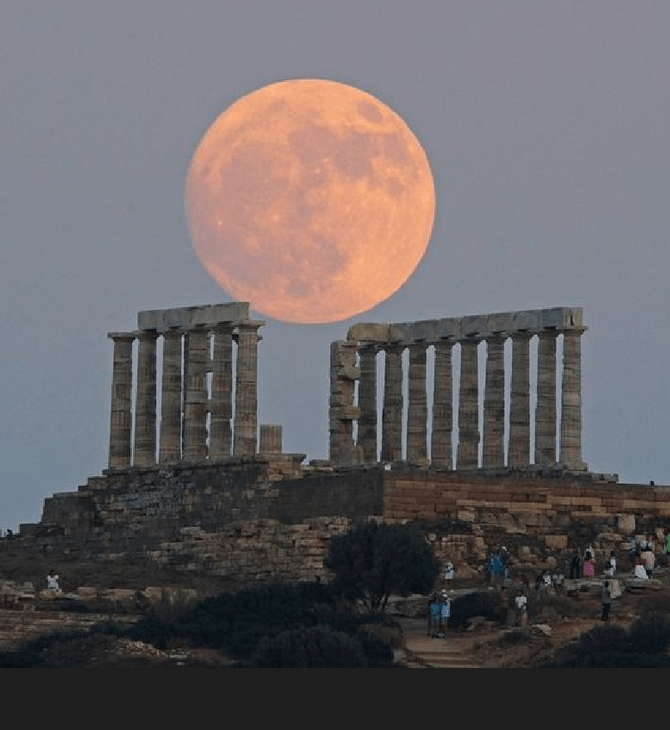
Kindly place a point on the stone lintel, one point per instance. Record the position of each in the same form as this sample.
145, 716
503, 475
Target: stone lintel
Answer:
189, 317
433, 330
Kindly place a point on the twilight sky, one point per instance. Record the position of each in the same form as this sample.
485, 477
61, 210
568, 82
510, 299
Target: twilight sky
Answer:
546, 125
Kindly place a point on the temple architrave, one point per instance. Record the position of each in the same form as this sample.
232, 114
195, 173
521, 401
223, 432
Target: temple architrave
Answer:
208, 401
473, 434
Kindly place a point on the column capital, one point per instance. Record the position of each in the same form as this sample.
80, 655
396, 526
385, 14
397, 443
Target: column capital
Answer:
474, 338
146, 334
576, 331
449, 340
176, 330
122, 335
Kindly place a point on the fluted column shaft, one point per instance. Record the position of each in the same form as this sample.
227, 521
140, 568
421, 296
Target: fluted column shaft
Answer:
367, 402
171, 387
221, 405
393, 404
246, 390
145, 407
494, 403
571, 403
545, 414
195, 405
417, 404
122, 394
468, 411
441, 449
519, 414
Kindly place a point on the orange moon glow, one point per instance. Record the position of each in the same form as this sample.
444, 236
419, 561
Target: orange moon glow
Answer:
311, 200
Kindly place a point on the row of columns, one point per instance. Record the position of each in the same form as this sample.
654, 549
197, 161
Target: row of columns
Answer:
344, 412
185, 401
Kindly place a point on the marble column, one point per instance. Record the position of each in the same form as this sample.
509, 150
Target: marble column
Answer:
417, 404
441, 449
393, 404
245, 423
545, 413
221, 404
169, 450
493, 454
121, 417
571, 403
519, 407
367, 402
145, 407
341, 409
195, 405
468, 406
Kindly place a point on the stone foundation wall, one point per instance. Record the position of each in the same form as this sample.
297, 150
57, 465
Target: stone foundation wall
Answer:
246, 520
264, 519
539, 518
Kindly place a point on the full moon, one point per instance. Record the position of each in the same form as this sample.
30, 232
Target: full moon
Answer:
311, 200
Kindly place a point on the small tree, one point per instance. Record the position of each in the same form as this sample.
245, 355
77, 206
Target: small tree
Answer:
373, 560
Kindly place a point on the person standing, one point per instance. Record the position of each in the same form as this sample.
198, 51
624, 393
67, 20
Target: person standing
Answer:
606, 597
445, 612
575, 565
496, 569
52, 582
649, 561
521, 604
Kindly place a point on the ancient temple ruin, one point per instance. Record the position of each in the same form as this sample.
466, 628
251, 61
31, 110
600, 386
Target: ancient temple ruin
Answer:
184, 389
206, 360
469, 427
502, 421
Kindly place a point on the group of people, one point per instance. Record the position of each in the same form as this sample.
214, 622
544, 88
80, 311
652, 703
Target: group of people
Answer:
499, 566
439, 610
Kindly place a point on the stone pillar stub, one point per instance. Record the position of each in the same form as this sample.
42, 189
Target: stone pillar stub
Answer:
270, 438
121, 417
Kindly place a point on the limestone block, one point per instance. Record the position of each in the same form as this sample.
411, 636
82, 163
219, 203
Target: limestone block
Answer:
626, 524
556, 542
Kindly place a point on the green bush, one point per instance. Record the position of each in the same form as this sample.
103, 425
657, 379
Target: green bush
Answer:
372, 561
315, 647
603, 647
241, 623
482, 603
650, 634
